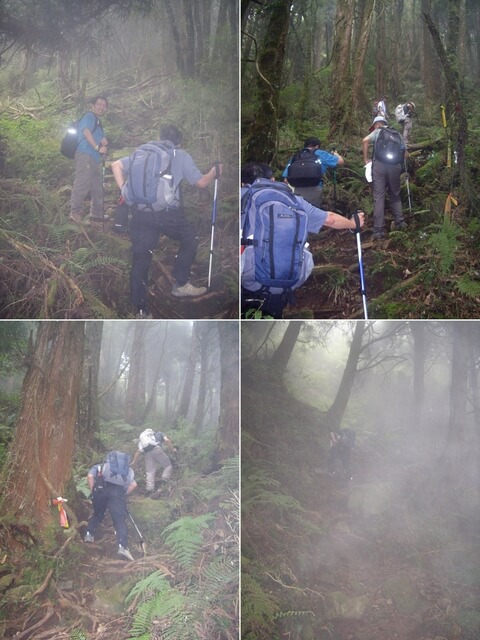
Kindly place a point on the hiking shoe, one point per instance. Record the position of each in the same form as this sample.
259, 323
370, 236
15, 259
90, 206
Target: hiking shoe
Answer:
76, 216
95, 223
401, 225
188, 291
88, 537
379, 235
124, 552
143, 314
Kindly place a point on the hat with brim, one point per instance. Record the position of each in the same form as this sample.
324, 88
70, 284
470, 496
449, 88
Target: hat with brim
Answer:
377, 119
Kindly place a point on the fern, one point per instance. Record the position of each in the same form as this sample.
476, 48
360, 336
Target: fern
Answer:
153, 583
259, 607
445, 243
469, 287
78, 635
184, 537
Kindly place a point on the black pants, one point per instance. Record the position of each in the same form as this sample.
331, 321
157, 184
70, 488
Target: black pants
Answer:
146, 227
341, 453
113, 498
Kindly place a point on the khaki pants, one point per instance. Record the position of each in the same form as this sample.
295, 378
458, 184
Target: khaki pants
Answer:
88, 180
154, 459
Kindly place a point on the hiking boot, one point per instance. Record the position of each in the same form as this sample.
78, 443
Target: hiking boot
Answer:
88, 537
400, 226
95, 223
379, 235
188, 291
124, 552
77, 216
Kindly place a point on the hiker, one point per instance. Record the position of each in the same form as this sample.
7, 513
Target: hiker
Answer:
404, 115
150, 444
148, 224
110, 483
387, 167
91, 150
305, 169
341, 445
268, 283
380, 108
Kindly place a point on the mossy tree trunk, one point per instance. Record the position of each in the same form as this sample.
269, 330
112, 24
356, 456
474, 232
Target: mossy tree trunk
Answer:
88, 415
135, 397
227, 444
261, 143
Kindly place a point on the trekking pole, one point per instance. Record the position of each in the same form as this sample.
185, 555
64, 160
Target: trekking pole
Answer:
356, 231
408, 186
334, 184
142, 541
103, 193
214, 217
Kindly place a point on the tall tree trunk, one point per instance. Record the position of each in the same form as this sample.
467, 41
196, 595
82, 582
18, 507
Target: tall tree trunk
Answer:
261, 143
227, 444
135, 398
88, 419
40, 458
281, 356
358, 93
335, 412
419, 357
341, 86
189, 377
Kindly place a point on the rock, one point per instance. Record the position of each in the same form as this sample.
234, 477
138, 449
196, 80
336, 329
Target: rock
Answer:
6, 582
339, 606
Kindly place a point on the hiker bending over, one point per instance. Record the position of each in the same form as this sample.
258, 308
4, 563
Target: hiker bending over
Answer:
165, 216
387, 167
110, 483
271, 270
150, 444
404, 115
92, 147
304, 171
380, 108
341, 445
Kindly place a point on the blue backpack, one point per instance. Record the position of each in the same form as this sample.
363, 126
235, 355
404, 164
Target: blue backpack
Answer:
149, 183
274, 233
119, 465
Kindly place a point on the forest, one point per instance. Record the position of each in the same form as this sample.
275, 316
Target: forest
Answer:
315, 69
391, 548
70, 392
157, 62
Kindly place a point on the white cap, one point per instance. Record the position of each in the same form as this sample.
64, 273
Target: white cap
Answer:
379, 119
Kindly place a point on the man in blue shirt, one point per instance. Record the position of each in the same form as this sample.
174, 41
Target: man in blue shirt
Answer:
92, 146
313, 194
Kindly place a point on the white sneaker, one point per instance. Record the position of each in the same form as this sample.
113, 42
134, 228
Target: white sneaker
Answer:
89, 537
123, 551
188, 291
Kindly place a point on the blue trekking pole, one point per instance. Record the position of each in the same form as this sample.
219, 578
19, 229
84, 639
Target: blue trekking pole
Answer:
356, 231
214, 217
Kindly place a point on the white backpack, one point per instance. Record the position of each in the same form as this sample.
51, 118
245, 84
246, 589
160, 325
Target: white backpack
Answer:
147, 440
399, 113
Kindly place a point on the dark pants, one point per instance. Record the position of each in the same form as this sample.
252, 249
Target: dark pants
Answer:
146, 227
386, 177
341, 453
113, 498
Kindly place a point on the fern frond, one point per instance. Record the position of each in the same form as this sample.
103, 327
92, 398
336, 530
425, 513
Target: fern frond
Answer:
469, 287
154, 582
78, 635
184, 537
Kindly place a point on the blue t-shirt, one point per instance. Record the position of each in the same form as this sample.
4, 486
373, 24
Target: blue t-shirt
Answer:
328, 160
183, 168
88, 121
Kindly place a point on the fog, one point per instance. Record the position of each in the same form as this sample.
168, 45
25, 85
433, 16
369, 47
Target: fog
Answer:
390, 548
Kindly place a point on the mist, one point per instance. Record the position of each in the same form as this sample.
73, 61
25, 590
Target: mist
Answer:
389, 549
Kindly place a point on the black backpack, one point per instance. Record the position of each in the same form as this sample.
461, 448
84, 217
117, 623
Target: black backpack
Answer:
70, 140
347, 438
305, 169
389, 146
